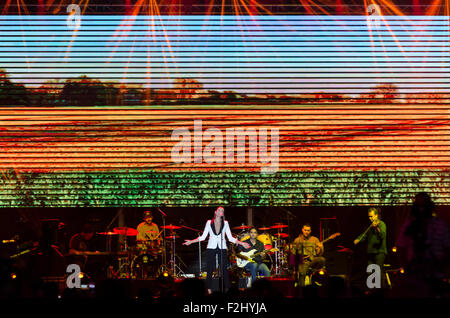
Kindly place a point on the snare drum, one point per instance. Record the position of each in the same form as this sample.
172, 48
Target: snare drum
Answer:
244, 236
149, 246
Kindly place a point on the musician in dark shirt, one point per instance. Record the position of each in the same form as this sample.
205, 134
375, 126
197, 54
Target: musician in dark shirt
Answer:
82, 242
376, 239
375, 236
256, 265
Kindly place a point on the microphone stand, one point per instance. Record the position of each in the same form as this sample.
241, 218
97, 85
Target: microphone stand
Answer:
221, 271
199, 257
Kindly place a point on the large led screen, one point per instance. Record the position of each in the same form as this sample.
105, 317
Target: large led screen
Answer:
150, 109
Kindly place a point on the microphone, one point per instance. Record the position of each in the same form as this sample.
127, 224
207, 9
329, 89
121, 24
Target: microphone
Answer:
162, 212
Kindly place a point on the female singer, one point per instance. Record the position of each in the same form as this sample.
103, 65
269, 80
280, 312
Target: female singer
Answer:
217, 228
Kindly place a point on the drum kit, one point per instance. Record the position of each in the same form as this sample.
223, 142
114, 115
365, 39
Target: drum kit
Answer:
274, 240
148, 259
142, 259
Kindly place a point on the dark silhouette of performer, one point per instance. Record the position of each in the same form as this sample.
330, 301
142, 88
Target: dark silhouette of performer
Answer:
423, 245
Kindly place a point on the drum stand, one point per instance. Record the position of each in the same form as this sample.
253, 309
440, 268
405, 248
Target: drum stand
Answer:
282, 262
277, 273
124, 270
124, 267
175, 269
280, 265
164, 253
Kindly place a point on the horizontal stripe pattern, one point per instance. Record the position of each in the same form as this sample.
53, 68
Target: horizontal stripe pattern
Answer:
361, 111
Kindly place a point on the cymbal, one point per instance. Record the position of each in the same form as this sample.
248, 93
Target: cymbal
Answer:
345, 250
128, 231
279, 226
108, 233
264, 228
281, 234
172, 236
241, 227
265, 239
171, 227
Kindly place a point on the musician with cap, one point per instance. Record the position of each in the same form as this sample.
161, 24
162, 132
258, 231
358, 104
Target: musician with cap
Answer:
148, 231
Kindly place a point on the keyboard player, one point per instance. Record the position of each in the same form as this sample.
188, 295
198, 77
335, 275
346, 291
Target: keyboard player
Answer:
81, 243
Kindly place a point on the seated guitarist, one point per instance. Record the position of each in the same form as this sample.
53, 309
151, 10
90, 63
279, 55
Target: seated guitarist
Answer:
308, 250
256, 264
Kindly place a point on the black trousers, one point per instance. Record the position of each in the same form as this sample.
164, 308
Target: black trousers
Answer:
378, 259
211, 266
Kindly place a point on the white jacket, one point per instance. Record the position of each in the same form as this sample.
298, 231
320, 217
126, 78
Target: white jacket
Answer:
215, 240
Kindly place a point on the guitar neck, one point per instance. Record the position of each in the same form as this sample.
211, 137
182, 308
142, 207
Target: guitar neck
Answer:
329, 238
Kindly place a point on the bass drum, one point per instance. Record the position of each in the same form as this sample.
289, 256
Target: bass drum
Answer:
266, 240
145, 265
243, 236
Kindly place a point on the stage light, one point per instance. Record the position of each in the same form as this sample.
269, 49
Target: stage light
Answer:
402, 270
165, 276
81, 275
319, 277
394, 249
13, 275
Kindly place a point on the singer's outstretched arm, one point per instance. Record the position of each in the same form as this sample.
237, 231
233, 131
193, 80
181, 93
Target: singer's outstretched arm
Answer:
200, 238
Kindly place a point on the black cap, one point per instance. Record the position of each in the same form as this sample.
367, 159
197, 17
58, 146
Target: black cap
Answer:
147, 213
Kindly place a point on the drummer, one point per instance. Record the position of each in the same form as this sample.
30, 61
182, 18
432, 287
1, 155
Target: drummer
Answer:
148, 231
